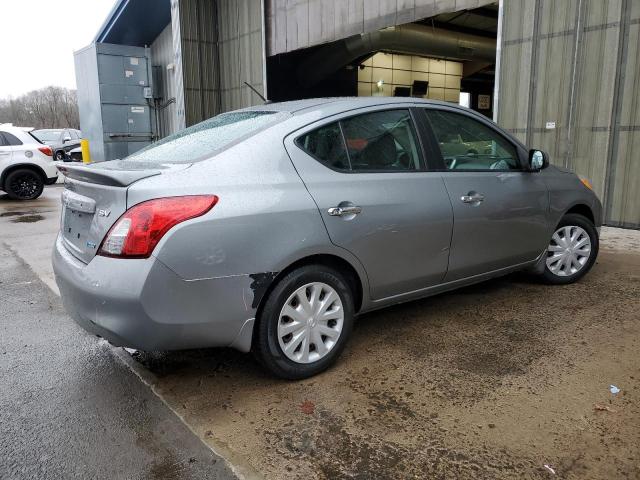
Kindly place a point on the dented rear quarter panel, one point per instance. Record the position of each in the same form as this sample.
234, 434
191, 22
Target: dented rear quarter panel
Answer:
264, 221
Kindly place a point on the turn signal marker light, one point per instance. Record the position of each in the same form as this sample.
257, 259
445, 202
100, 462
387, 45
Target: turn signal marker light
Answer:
586, 183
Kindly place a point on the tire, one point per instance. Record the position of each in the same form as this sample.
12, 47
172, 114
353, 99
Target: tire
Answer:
60, 156
269, 341
24, 184
579, 227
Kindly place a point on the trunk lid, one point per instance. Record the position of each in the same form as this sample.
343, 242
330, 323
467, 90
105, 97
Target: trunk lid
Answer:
95, 197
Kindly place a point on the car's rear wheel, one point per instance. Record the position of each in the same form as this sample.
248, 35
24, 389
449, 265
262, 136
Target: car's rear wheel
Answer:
304, 323
572, 250
24, 184
60, 155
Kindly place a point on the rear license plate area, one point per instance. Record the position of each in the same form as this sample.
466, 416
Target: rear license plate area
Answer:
75, 227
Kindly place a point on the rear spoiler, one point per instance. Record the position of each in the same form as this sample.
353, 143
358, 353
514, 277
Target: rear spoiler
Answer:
105, 176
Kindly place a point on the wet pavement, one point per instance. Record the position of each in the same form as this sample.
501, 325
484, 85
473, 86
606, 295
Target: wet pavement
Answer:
69, 408
491, 381
29, 229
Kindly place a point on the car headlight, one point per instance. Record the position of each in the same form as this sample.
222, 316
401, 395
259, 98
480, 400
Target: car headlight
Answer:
585, 181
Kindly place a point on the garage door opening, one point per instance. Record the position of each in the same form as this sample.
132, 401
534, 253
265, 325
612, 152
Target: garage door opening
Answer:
438, 58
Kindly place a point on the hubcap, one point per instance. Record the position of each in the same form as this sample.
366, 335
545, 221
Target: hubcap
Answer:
24, 186
310, 323
568, 251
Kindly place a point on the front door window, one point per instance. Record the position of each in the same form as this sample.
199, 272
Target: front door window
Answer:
467, 144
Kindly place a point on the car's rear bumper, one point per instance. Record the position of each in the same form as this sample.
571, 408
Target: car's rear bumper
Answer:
51, 180
140, 303
49, 167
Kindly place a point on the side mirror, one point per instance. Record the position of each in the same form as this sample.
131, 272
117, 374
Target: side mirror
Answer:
538, 160
66, 139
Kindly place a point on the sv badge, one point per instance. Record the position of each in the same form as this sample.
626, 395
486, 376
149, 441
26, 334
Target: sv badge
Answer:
104, 213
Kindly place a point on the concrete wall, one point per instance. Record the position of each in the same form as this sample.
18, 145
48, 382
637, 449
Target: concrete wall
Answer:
568, 83
295, 24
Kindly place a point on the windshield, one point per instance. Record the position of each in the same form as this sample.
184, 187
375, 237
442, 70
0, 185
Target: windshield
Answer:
200, 141
48, 135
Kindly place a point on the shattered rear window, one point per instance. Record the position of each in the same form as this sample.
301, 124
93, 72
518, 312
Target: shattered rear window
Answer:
206, 138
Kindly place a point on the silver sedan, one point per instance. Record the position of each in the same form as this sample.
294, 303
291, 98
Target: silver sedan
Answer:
270, 228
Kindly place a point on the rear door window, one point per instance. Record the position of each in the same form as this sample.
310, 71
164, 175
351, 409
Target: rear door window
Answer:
11, 139
383, 141
327, 146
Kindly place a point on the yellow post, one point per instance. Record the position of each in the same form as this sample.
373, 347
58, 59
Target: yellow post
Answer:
86, 154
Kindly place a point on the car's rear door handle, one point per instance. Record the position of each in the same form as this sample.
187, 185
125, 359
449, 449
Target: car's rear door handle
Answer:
341, 211
472, 197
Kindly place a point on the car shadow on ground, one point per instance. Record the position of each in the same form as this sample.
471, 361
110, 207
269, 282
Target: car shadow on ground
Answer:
227, 361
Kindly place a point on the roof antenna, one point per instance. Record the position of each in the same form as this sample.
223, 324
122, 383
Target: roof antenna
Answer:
257, 93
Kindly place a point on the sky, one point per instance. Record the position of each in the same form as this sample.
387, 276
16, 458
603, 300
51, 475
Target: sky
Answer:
38, 38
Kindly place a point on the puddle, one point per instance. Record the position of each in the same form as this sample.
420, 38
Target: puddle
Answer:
28, 219
14, 214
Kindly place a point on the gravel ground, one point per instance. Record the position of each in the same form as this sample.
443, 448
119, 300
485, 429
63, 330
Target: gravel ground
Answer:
492, 381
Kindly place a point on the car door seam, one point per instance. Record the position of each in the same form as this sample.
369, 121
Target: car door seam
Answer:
453, 226
326, 229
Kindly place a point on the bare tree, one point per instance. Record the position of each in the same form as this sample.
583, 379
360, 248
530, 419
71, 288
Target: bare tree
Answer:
70, 108
49, 107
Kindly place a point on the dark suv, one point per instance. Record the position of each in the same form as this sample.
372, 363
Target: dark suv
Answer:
61, 140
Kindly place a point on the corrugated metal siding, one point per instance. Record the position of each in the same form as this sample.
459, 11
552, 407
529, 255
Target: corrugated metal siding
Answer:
295, 24
162, 54
241, 52
178, 74
588, 142
575, 63
624, 180
552, 65
222, 47
201, 70
515, 72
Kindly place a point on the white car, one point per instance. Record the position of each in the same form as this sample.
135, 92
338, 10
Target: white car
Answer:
26, 164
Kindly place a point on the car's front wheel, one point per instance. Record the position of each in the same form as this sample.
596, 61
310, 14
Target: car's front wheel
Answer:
572, 250
305, 322
24, 184
61, 156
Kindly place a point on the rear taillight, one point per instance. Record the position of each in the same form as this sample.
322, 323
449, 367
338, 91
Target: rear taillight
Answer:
46, 150
139, 230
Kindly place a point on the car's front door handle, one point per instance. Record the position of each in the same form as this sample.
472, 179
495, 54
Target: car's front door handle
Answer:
472, 198
341, 211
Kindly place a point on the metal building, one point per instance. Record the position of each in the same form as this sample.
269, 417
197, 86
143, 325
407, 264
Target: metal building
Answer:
562, 75
199, 52
569, 83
